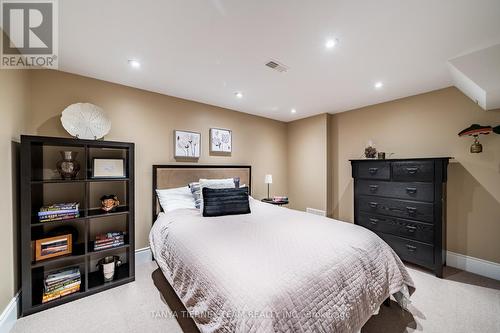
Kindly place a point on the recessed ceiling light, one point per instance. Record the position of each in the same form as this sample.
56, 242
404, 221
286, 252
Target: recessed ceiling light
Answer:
330, 43
293, 111
378, 85
134, 63
238, 94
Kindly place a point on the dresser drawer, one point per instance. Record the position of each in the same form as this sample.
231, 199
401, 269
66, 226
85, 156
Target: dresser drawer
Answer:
409, 191
409, 250
373, 170
399, 227
421, 211
413, 171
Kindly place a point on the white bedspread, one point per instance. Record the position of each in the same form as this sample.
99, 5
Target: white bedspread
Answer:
275, 270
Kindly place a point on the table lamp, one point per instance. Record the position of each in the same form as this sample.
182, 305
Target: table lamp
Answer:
268, 180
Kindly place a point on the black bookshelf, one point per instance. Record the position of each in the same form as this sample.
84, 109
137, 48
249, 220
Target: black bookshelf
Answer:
41, 185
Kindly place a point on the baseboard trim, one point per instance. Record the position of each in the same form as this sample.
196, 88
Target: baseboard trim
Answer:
473, 265
143, 255
9, 315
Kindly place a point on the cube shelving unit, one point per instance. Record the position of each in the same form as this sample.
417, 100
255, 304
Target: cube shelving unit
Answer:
42, 185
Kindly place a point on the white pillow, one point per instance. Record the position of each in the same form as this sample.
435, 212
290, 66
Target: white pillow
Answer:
176, 198
217, 183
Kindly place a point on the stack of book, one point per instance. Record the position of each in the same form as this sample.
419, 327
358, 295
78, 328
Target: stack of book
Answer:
61, 283
57, 212
109, 240
280, 199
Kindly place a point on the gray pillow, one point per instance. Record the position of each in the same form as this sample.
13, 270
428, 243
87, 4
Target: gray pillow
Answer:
196, 192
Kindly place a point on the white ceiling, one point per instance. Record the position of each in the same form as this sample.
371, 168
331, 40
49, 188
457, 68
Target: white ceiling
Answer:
206, 50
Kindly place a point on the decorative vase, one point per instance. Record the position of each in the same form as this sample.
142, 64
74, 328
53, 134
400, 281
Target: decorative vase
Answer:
68, 167
370, 152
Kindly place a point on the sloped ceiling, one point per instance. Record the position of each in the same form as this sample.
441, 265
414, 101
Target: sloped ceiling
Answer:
477, 75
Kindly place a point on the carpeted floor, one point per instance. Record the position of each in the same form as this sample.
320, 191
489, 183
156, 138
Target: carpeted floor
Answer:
461, 302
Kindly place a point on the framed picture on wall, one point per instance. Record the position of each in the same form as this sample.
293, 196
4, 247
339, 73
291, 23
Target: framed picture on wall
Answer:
221, 140
187, 144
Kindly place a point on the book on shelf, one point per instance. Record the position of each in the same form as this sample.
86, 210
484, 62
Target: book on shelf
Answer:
105, 247
113, 242
109, 240
58, 212
109, 235
108, 245
52, 296
59, 217
63, 273
61, 283
60, 206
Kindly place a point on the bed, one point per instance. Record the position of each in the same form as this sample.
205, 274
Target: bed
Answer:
273, 270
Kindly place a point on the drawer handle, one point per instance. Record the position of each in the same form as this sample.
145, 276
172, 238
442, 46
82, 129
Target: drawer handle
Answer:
411, 211
373, 188
411, 248
372, 171
411, 228
411, 190
412, 170
373, 204
373, 221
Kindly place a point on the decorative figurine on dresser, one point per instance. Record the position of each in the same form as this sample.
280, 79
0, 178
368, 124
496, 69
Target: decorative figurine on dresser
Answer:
404, 202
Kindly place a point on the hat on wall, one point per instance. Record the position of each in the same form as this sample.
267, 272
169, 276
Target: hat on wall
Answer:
475, 129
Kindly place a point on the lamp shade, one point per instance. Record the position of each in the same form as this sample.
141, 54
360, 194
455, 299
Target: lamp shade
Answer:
268, 179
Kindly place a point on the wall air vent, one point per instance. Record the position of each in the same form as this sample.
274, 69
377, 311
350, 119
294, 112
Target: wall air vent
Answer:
273, 64
315, 211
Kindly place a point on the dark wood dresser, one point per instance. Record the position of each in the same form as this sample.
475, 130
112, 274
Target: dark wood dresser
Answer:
404, 202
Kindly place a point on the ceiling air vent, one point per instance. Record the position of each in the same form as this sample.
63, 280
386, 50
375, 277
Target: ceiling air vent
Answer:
277, 66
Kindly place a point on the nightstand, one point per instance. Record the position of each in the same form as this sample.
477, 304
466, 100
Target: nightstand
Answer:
277, 203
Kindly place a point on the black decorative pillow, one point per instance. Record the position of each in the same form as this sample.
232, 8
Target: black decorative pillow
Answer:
225, 201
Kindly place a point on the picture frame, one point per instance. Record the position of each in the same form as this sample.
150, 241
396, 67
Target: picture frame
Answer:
108, 168
221, 141
187, 144
51, 247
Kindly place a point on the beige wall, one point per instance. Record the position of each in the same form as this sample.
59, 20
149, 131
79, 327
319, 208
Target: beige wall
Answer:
14, 103
427, 125
308, 163
148, 119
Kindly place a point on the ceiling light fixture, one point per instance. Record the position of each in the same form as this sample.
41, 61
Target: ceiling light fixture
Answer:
378, 85
330, 44
134, 63
293, 111
238, 94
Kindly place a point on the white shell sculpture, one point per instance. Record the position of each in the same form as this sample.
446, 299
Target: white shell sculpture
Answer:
85, 121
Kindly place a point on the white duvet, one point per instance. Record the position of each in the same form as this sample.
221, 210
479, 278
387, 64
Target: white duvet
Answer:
275, 270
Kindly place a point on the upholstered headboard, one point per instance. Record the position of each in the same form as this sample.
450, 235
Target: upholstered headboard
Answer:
175, 175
